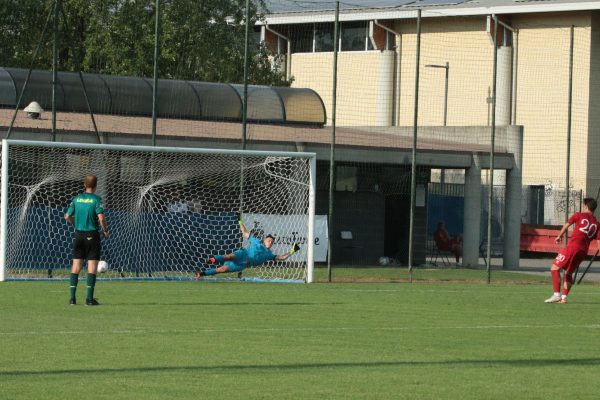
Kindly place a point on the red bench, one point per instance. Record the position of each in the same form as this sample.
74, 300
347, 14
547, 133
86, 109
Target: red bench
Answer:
540, 238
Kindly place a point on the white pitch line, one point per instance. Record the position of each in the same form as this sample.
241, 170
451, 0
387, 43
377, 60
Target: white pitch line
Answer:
263, 330
437, 290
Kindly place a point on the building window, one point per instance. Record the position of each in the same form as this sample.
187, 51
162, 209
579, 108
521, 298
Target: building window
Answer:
390, 41
302, 38
255, 38
346, 178
355, 36
281, 46
323, 37
308, 38
508, 38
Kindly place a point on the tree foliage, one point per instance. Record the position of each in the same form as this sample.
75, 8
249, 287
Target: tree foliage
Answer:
199, 40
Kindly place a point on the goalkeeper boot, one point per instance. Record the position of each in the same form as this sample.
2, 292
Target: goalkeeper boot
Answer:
72, 302
553, 299
91, 302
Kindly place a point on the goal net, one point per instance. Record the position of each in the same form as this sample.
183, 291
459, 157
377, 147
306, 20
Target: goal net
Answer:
168, 209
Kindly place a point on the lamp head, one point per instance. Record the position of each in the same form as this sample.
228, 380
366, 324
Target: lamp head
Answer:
34, 110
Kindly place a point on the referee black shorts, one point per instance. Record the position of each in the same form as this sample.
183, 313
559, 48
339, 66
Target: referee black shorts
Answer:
86, 245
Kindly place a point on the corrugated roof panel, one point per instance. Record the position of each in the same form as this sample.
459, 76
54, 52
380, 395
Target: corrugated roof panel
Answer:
8, 94
302, 105
290, 6
218, 100
119, 95
35, 90
264, 104
420, 3
305, 11
286, 6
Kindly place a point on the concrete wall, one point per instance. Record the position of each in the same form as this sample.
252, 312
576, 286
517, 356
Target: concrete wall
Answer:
361, 213
542, 52
465, 45
367, 215
542, 96
358, 83
593, 138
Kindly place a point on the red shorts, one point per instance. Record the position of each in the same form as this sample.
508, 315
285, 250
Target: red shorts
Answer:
569, 259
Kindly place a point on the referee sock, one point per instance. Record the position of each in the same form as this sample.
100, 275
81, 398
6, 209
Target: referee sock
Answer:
91, 284
73, 279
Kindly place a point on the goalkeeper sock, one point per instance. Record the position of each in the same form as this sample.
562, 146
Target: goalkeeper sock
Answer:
73, 279
91, 284
555, 280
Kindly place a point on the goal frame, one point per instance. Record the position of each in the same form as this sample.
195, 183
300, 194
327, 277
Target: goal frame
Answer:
4, 176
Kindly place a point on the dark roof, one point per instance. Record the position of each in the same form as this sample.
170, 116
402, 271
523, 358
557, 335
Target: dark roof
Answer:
304, 10
286, 6
389, 138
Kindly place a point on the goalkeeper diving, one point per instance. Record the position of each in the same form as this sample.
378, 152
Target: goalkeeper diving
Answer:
255, 253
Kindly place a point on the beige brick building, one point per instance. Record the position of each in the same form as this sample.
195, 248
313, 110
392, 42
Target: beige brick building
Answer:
376, 83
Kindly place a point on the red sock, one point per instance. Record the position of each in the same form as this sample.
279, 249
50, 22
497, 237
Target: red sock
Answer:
555, 280
568, 282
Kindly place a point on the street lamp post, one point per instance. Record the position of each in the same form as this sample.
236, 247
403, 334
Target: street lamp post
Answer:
447, 68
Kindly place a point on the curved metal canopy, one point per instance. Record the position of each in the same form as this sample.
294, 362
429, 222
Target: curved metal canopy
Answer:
119, 95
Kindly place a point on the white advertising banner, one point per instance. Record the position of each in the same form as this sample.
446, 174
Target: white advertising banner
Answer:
290, 229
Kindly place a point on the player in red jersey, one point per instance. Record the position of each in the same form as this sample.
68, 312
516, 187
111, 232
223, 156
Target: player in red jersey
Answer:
569, 258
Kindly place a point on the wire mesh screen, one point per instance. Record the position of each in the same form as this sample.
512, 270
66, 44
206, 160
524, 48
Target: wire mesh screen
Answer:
458, 86
168, 211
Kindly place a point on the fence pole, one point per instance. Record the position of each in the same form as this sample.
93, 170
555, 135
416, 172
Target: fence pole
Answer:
492, 146
569, 125
413, 177
155, 87
246, 66
332, 146
55, 67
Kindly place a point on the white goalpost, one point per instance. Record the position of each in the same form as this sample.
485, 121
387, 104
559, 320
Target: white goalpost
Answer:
168, 209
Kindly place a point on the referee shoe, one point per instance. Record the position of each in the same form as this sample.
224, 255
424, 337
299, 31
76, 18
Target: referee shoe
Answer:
91, 302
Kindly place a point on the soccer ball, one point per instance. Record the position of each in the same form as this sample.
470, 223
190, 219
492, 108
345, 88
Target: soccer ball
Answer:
384, 260
102, 266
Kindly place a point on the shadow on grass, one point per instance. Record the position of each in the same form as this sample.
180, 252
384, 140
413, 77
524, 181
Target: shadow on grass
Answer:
524, 363
217, 304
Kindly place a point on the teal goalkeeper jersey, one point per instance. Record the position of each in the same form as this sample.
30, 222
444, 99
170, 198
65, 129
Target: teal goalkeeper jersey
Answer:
85, 208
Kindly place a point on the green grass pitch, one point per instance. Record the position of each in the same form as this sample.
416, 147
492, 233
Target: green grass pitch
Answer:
232, 340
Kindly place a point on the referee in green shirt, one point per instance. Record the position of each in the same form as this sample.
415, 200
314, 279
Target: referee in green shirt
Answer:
85, 212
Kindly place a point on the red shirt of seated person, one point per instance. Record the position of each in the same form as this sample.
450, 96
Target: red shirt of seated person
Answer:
445, 242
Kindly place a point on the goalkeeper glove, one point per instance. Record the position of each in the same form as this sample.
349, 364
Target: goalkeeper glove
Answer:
295, 248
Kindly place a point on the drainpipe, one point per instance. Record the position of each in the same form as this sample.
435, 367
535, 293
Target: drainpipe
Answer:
288, 58
396, 94
506, 103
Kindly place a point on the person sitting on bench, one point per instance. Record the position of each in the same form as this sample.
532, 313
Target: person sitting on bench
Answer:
445, 242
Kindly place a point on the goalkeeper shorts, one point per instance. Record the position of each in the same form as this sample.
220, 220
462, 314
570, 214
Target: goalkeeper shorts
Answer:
234, 267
